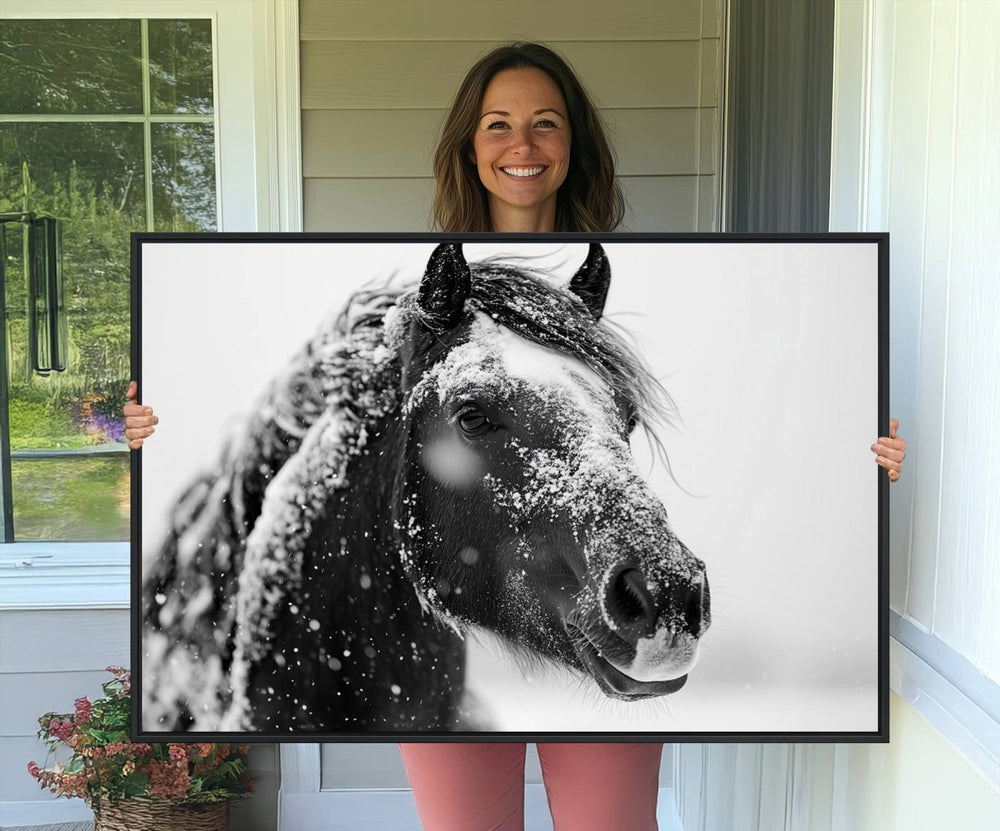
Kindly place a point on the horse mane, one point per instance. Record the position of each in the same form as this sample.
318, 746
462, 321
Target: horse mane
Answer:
327, 403
195, 586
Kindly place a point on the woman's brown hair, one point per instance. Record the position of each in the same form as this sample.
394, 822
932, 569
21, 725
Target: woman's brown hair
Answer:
590, 198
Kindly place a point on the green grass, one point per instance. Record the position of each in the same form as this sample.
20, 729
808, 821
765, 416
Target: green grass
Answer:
71, 499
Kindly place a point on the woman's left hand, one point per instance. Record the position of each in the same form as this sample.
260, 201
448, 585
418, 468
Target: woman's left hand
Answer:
890, 451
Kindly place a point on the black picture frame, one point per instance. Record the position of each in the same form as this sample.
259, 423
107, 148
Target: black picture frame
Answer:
878, 284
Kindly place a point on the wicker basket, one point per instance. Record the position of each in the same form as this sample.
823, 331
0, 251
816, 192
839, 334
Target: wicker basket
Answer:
161, 815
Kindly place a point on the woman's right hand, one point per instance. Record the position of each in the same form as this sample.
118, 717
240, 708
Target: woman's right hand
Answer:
139, 419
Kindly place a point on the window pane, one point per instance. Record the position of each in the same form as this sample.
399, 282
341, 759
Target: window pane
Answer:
73, 499
70, 66
180, 66
91, 177
184, 177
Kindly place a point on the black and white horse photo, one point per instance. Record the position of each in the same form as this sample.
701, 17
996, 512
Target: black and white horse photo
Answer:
442, 457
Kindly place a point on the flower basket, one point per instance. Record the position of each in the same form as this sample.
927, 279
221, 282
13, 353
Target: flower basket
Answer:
137, 786
161, 815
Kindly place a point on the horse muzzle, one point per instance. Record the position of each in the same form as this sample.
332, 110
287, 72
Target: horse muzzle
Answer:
636, 642
612, 681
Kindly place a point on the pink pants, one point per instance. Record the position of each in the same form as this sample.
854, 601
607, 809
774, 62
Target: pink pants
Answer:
480, 787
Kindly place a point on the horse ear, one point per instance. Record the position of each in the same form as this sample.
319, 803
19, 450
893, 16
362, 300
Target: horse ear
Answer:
592, 280
446, 285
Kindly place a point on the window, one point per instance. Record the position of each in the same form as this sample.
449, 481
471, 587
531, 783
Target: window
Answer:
108, 126
258, 170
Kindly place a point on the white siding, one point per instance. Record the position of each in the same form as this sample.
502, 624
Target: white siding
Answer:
377, 79
47, 660
50, 658
458, 20
933, 182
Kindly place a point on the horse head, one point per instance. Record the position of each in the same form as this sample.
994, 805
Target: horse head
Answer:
518, 506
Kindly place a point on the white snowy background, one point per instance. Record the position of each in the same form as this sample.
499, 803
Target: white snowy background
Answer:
768, 349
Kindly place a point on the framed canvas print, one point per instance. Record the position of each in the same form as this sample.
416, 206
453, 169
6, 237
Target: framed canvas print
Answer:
546, 487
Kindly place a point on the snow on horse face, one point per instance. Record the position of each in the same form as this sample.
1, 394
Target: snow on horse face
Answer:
522, 510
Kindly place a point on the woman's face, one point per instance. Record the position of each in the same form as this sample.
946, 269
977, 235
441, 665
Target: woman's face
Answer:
521, 143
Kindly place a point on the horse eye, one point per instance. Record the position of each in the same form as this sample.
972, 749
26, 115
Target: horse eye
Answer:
474, 423
632, 423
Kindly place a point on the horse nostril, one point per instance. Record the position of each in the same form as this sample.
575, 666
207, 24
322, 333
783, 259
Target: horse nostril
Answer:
697, 611
629, 601
693, 610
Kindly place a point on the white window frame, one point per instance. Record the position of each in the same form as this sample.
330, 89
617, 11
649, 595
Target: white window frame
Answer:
259, 186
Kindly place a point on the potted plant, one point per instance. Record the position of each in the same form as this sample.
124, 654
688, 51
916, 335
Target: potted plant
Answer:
133, 785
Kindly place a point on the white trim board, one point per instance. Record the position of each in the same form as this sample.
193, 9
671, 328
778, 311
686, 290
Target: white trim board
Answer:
959, 719
950, 664
278, 122
64, 575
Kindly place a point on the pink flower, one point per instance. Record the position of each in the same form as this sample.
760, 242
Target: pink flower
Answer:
203, 749
73, 784
61, 729
82, 710
178, 752
168, 779
34, 770
124, 676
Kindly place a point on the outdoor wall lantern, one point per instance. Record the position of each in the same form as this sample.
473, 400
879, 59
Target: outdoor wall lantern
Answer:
47, 329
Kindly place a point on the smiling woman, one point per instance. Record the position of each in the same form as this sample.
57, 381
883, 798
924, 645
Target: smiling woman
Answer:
523, 148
